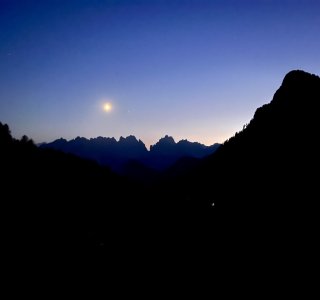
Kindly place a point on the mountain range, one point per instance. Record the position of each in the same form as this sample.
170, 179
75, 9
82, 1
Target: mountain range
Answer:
122, 155
254, 201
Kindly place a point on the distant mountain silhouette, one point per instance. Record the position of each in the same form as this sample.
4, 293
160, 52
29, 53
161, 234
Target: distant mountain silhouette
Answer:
166, 152
120, 154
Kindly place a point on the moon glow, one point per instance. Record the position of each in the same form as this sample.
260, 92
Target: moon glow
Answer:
107, 107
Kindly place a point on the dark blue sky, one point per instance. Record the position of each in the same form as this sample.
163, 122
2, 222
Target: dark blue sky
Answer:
190, 69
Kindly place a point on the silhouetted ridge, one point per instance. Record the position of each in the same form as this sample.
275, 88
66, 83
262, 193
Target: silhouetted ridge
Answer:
270, 158
117, 154
298, 78
290, 116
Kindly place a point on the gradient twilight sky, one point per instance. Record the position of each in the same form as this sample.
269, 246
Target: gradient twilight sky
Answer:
190, 69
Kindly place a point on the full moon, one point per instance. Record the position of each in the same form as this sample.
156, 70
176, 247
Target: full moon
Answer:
107, 107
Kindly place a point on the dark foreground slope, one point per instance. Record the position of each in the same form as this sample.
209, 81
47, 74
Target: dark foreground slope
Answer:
55, 204
263, 181
275, 157
58, 206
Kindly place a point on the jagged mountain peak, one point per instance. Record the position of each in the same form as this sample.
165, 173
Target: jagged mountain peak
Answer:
164, 145
129, 139
186, 142
167, 139
101, 139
